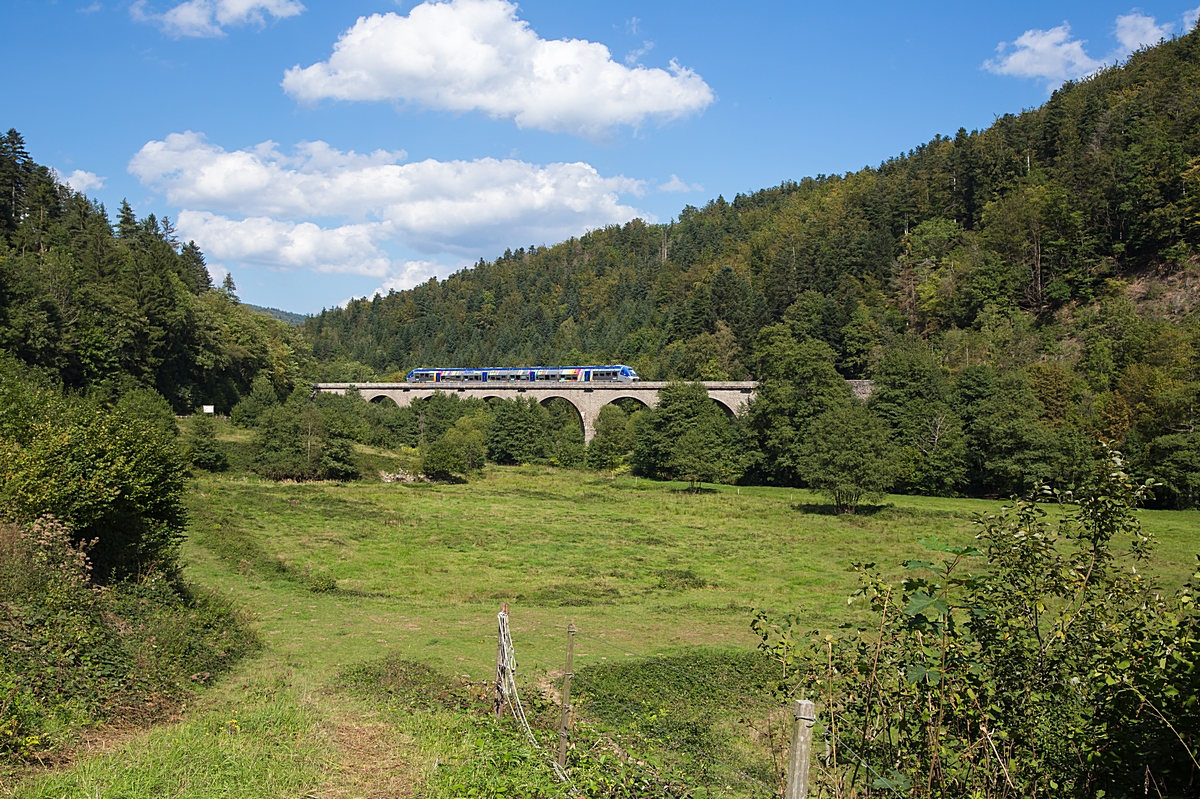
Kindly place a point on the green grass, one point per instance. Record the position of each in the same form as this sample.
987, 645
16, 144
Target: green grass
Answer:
420, 572
422, 569
249, 740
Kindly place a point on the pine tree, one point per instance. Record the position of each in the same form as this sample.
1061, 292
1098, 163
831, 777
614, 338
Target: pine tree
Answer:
228, 288
195, 272
16, 173
127, 222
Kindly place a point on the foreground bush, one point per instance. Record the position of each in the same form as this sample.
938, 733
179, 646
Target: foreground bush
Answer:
1055, 668
76, 654
113, 476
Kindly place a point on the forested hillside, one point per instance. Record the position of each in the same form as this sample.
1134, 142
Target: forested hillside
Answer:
992, 245
96, 305
1015, 292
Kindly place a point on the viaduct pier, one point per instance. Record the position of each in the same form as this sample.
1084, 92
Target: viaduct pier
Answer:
586, 398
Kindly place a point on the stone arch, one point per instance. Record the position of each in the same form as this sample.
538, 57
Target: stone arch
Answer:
583, 424
383, 399
720, 403
645, 405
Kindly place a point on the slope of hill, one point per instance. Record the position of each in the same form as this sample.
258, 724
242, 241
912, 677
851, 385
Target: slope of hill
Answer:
288, 317
1022, 226
1016, 293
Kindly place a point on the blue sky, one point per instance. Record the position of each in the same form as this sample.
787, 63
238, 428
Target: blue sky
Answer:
319, 151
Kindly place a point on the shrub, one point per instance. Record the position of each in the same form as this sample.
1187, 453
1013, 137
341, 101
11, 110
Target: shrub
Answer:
1056, 668
109, 476
75, 653
295, 441
442, 460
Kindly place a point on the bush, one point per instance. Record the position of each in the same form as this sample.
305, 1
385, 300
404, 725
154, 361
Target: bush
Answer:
461, 451
203, 448
295, 441
1045, 662
75, 654
111, 477
442, 460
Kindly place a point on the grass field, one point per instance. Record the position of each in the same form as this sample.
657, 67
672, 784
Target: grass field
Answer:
418, 573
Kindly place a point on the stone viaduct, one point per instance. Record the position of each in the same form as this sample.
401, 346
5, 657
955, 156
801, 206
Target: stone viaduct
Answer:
586, 398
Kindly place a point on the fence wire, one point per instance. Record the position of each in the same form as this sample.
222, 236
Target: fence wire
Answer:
512, 697
508, 688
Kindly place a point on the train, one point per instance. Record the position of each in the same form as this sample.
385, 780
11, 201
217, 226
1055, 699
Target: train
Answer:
613, 373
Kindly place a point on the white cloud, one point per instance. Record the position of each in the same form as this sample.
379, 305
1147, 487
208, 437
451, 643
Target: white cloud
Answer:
1136, 30
1052, 55
675, 184
209, 18
406, 274
433, 206
467, 55
82, 181
325, 210
633, 56
349, 249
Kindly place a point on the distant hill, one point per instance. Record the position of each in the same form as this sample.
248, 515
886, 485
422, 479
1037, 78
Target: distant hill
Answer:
294, 319
969, 242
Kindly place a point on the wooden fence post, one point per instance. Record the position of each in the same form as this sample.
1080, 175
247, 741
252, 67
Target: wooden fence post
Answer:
805, 714
501, 662
564, 720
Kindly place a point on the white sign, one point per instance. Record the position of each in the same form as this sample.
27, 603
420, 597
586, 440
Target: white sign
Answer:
209, 409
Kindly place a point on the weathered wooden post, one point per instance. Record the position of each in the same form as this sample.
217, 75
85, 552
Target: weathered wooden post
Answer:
501, 661
564, 720
805, 714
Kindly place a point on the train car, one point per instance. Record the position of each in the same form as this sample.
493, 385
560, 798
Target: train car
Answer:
614, 373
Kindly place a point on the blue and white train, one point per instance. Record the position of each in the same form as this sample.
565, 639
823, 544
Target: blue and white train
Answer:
616, 373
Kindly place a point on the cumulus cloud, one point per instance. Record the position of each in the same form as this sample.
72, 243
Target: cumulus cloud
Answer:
463, 206
675, 184
1054, 56
406, 274
1136, 30
81, 180
475, 55
322, 209
209, 18
350, 249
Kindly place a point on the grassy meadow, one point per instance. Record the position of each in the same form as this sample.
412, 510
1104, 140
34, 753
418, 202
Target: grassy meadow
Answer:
402, 582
